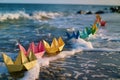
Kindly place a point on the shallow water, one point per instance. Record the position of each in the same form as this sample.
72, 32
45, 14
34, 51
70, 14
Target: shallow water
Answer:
86, 65
97, 59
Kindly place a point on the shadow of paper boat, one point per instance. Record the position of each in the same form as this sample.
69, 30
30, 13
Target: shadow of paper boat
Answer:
17, 75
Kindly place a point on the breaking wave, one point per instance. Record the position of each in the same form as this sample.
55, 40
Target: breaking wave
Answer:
39, 15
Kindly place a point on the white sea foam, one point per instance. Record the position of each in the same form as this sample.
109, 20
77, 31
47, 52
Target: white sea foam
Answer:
104, 49
98, 76
77, 74
81, 44
109, 64
32, 74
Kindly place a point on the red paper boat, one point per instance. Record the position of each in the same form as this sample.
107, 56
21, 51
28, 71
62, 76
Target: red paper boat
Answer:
102, 23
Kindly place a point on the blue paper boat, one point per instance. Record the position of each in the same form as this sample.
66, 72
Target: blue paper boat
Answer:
74, 34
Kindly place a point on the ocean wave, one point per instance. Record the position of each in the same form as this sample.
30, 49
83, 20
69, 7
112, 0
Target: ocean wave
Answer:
13, 16
81, 44
39, 15
44, 15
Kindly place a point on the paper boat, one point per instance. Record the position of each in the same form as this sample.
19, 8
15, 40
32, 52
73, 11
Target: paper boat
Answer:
102, 23
84, 34
74, 35
37, 50
88, 30
21, 63
94, 29
91, 30
56, 46
98, 18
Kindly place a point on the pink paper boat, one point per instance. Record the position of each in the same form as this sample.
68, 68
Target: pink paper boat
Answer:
38, 50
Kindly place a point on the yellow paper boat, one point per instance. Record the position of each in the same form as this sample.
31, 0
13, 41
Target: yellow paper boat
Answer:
56, 46
21, 63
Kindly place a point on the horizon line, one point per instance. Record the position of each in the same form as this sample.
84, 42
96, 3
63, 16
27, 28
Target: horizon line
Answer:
61, 4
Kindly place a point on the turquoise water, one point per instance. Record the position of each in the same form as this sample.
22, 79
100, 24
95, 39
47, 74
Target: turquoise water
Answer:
25, 23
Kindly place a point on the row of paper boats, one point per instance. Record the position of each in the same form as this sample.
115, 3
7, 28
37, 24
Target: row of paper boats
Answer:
27, 59
86, 33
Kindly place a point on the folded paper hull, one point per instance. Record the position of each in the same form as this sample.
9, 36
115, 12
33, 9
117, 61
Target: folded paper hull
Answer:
30, 65
61, 48
51, 51
15, 68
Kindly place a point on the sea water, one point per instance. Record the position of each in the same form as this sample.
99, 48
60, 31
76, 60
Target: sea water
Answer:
94, 59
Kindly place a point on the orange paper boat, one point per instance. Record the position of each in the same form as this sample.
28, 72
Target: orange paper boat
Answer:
56, 46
